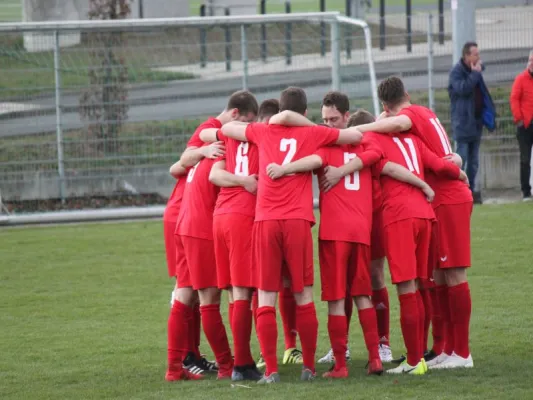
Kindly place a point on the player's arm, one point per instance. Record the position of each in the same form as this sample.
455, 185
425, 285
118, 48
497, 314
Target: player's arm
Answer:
209, 135
442, 168
235, 130
221, 177
290, 118
350, 135
193, 155
177, 170
400, 173
455, 158
305, 164
398, 123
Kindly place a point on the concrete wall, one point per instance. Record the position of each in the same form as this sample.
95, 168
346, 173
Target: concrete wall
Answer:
237, 7
71, 10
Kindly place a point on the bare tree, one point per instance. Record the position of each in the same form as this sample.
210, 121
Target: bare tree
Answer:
103, 104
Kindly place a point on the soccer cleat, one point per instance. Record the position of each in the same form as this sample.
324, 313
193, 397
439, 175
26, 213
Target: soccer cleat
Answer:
307, 375
437, 360
340, 373
246, 373
172, 298
260, 362
374, 367
292, 356
385, 353
208, 366
399, 360
224, 374
181, 375
266, 379
430, 355
456, 361
426, 369
347, 355
405, 368
328, 358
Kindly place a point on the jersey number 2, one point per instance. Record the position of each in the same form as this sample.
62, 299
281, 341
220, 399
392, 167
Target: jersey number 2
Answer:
351, 182
411, 160
288, 146
241, 161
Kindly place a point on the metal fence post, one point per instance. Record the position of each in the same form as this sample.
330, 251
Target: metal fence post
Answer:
203, 39
382, 31
348, 30
288, 35
441, 21
244, 57
263, 34
322, 5
59, 132
431, 92
335, 57
227, 35
409, 38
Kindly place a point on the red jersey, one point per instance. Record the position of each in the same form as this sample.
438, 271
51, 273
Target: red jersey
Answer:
290, 197
401, 200
427, 127
195, 218
346, 209
172, 209
242, 159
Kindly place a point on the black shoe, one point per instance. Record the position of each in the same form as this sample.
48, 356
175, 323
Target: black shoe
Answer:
430, 355
190, 364
399, 360
246, 373
206, 365
477, 198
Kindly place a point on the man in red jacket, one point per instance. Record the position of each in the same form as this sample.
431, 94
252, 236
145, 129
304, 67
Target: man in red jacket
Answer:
522, 109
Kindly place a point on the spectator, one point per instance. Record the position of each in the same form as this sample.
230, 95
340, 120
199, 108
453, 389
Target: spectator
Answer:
522, 109
471, 109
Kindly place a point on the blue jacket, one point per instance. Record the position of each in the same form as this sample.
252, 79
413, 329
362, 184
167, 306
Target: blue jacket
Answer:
461, 89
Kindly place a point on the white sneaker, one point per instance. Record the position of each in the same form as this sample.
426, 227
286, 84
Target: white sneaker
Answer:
405, 368
329, 358
385, 353
172, 298
456, 361
433, 364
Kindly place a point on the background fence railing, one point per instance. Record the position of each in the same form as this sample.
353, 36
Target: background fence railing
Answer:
93, 112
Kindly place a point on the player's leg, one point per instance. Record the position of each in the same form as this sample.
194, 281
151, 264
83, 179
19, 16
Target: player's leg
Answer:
287, 309
267, 253
202, 266
400, 246
298, 253
334, 257
455, 251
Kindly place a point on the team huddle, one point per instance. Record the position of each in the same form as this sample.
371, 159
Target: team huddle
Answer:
240, 218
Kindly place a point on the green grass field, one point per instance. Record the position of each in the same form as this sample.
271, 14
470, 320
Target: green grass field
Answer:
84, 311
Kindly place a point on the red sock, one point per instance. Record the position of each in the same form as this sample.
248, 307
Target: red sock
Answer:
348, 310
380, 299
368, 320
420, 298
178, 335
287, 308
437, 323
195, 331
337, 336
307, 327
215, 332
242, 332
267, 332
460, 310
447, 322
230, 313
410, 322
255, 305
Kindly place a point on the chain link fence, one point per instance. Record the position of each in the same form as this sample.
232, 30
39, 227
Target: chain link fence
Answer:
95, 116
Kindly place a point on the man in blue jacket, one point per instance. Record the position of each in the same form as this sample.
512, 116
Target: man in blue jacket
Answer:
471, 109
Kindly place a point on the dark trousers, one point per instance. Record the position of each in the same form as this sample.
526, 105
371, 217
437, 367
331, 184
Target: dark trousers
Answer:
468, 149
525, 142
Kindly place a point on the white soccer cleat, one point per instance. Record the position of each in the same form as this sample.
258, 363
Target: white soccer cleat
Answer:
456, 361
347, 355
328, 358
405, 368
385, 353
172, 298
442, 357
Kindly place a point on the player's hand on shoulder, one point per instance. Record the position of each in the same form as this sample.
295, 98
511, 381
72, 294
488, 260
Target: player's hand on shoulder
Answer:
274, 171
250, 184
214, 150
332, 176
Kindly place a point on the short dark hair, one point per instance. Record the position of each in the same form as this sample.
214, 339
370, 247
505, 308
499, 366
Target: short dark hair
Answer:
268, 108
360, 117
338, 100
391, 91
244, 101
467, 47
293, 99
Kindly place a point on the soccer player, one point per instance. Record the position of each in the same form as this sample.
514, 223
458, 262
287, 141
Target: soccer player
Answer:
453, 208
282, 229
195, 232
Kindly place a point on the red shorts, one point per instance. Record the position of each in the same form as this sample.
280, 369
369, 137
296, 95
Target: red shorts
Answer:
232, 234
288, 240
429, 283
183, 277
170, 246
201, 264
344, 265
454, 235
377, 247
407, 245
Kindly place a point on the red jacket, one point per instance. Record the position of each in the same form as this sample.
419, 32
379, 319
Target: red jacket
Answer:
522, 98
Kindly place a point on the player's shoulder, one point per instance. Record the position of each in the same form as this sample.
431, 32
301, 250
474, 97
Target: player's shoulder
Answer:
418, 111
